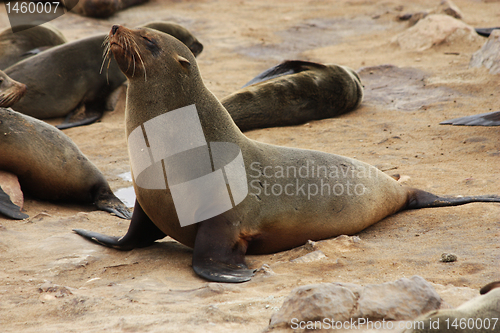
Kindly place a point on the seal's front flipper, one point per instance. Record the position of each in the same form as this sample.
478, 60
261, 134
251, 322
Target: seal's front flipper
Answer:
10, 209
142, 232
105, 200
219, 252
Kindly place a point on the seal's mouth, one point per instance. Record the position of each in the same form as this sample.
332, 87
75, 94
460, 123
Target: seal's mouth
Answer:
121, 42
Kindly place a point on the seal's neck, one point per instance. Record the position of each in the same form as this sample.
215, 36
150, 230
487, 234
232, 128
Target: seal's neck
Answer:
148, 99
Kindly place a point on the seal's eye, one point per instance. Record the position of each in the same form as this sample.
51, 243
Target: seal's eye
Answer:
152, 46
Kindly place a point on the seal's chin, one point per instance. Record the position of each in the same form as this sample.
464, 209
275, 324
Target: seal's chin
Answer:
126, 52
130, 64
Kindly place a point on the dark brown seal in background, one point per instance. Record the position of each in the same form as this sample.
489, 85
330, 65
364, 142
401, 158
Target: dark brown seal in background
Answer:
50, 166
14, 46
99, 8
293, 93
74, 75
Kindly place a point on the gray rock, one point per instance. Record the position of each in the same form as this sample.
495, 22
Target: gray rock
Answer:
435, 30
315, 302
489, 55
403, 299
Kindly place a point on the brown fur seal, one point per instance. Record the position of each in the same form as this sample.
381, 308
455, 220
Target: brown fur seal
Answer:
99, 8
191, 163
480, 314
50, 166
68, 77
14, 45
294, 92
10, 91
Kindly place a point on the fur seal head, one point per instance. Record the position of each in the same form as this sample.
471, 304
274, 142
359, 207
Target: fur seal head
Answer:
126, 47
11, 91
148, 57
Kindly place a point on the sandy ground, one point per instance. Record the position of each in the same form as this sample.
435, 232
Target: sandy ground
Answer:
155, 289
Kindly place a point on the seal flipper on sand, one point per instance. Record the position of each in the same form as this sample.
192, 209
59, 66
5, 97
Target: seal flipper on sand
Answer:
485, 32
142, 232
421, 199
219, 252
285, 68
10, 209
82, 115
483, 119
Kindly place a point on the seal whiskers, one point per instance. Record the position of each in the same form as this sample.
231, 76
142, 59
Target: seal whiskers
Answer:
11, 91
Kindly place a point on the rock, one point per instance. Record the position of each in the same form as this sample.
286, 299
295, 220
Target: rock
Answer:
435, 30
315, 302
403, 299
489, 55
266, 270
447, 7
402, 88
448, 257
313, 256
54, 289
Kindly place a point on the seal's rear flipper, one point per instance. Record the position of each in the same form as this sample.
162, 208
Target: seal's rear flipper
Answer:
142, 232
285, 68
219, 253
10, 209
421, 199
483, 119
485, 32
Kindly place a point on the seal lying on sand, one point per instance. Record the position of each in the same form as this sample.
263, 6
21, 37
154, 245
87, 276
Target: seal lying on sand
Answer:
68, 77
50, 166
10, 91
294, 92
99, 8
193, 170
13, 46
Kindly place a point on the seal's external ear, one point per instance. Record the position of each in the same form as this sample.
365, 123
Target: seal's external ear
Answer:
184, 62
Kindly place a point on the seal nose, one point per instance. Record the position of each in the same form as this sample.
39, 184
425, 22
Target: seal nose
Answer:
114, 28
